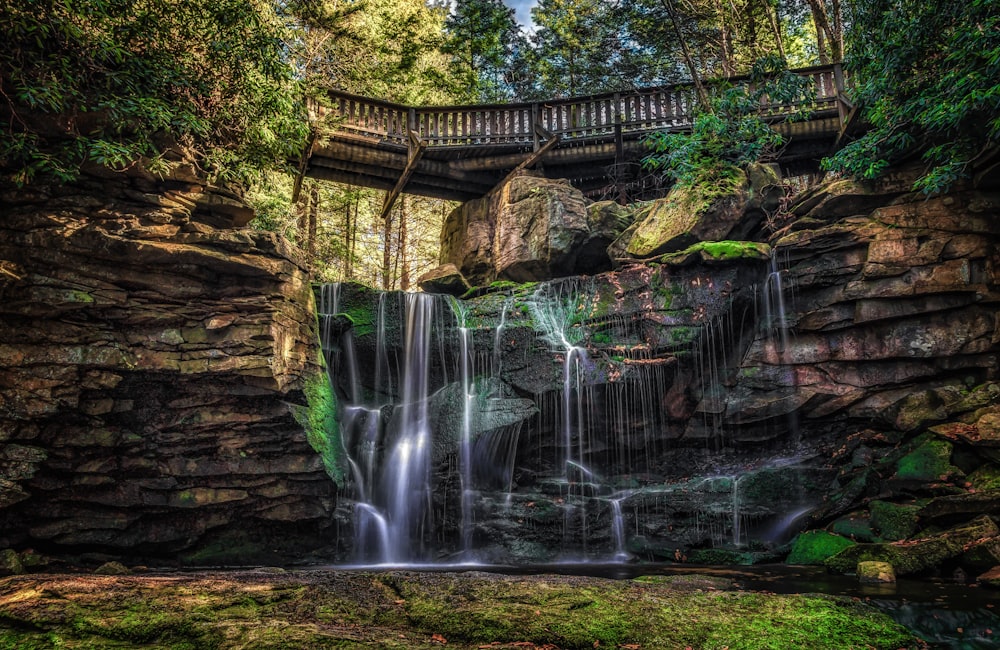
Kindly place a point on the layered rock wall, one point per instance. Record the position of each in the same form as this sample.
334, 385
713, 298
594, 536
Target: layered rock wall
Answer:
153, 362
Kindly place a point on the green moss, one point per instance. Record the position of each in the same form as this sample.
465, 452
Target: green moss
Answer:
856, 526
914, 555
987, 477
319, 419
893, 522
405, 610
815, 546
720, 251
929, 461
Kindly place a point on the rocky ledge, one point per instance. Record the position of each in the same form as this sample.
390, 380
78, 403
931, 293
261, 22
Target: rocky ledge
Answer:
345, 609
161, 388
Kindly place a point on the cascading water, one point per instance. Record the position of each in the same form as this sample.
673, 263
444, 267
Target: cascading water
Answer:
522, 428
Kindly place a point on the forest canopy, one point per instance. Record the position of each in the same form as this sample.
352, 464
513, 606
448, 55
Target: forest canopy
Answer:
110, 82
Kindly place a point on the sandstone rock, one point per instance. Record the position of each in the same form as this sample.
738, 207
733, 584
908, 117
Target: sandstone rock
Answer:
540, 227
138, 347
875, 573
991, 577
444, 279
113, 569
959, 505
467, 240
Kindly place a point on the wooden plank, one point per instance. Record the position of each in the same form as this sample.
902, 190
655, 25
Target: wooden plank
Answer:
417, 149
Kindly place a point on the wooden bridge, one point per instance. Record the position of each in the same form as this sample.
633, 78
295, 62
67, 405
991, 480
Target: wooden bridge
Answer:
462, 152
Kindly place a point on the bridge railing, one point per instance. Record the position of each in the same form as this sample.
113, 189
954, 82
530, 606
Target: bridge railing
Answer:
597, 117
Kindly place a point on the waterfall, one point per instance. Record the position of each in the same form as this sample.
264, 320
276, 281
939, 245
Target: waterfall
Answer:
517, 426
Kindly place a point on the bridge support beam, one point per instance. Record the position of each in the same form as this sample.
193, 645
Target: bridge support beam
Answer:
551, 140
417, 148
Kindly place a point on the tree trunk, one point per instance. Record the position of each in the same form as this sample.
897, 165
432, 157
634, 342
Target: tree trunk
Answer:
772, 16
404, 245
837, 33
313, 226
387, 252
822, 24
699, 88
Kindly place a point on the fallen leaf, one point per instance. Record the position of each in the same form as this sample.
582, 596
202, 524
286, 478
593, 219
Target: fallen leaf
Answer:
437, 638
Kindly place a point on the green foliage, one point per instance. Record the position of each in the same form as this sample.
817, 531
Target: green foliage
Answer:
926, 76
110, 82
482, 38
734, 133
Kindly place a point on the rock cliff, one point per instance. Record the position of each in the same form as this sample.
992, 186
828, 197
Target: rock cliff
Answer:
162, 394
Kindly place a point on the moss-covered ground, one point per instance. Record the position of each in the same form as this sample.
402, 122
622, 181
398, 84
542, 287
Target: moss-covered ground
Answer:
348, 609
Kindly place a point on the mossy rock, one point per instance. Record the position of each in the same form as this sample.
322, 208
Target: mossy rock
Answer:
929, 461
893, 522
10, 563
718, 252
875, 572
915, 555
113, 569
856, 526
987, 477
815, 546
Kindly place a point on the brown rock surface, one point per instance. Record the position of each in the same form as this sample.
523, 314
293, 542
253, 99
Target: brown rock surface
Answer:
149, 366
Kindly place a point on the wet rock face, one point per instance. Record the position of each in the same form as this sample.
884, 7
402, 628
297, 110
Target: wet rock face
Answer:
151, 366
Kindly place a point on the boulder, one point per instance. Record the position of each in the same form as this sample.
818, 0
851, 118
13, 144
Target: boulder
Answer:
113, 569
445, 279
875, 573
10, 563
815, 546
541, 225
531, 228
688, 215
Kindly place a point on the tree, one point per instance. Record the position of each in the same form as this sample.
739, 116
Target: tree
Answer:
576, 47
925, 75
482, 39
111, 82
732, 133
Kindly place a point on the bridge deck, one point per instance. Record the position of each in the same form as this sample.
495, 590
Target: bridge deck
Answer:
467, 150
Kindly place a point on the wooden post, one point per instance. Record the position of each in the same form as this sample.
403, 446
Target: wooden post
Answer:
417, 147
535, 123
619, 149
838, 81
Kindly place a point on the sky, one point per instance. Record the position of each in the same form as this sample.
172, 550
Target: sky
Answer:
522, 9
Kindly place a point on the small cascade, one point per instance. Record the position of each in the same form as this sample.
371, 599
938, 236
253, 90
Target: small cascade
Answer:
468, 396
618, 528
737, 516
776, 322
